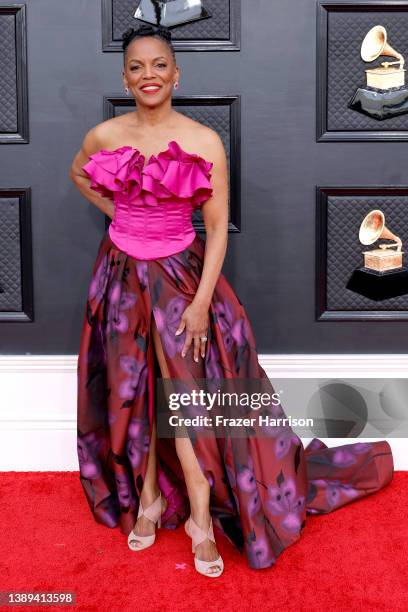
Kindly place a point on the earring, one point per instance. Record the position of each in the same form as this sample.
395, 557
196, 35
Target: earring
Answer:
127, 91
176, 85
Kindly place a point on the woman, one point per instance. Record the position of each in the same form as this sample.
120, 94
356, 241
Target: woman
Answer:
159, 307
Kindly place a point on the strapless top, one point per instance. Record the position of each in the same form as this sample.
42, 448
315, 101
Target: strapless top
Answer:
153, 203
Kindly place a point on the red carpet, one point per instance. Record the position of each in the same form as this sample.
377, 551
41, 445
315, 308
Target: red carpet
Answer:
356, 558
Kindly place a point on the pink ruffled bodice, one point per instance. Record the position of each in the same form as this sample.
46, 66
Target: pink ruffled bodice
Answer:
153, 203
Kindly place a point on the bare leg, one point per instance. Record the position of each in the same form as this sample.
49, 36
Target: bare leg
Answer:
198, 489
150, 491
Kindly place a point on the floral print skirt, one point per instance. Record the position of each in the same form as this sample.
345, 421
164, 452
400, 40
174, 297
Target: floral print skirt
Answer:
262, 487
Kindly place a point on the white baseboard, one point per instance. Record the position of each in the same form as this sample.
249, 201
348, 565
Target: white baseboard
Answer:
38, 411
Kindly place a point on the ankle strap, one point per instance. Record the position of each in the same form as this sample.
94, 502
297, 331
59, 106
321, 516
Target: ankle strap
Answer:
199, 535
152, 512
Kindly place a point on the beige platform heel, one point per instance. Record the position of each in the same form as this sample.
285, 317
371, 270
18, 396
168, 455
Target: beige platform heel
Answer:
153, 513
198, 536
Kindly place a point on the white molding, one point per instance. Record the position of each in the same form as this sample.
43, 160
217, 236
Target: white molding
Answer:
38, 414
393, 365
38, 363
350, 366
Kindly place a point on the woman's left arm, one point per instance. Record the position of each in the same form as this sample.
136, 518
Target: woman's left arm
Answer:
215, 214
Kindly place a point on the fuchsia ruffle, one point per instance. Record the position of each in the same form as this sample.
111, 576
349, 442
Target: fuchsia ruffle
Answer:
170, 175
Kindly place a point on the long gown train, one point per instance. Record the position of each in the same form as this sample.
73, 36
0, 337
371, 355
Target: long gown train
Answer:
262, 488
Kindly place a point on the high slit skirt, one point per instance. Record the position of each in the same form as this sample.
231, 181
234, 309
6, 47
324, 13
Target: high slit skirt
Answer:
261, 488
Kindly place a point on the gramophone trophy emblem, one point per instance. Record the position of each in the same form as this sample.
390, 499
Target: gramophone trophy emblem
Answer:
171, 12
385, 94
382, 275
372, 229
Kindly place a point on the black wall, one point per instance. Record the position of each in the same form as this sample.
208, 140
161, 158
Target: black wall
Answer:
271, 262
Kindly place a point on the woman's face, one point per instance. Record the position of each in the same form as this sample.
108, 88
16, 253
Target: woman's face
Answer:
149, 62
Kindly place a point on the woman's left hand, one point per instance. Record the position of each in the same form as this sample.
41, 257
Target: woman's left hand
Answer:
195, 319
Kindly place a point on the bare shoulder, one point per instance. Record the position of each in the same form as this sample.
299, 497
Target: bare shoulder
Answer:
99, 137
203, 140
102, 136
207, 143
211, 147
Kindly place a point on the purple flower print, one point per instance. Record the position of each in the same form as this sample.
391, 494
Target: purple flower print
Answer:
225, 321
246, 482
88, 447
167, 322
213, 370
225, 315
174, 269
233, 331
135, 385
254, 504
240, 332
343, 458
138, 441
142, 273
136, 450
118, 301
246, 477
125, 496
137, 428
361, 447
284, 436
97, 286
284, 441
315, 444
284, 501
334, 490
258, 552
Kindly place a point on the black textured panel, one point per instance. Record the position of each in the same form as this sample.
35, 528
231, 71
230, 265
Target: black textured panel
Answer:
344, 250
8, 89
10, 261
13, 75
16, 290
346, 69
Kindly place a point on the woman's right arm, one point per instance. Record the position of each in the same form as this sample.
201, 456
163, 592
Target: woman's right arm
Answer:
91, 144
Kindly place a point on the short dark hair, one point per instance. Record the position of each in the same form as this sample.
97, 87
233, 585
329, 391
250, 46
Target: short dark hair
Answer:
147, 30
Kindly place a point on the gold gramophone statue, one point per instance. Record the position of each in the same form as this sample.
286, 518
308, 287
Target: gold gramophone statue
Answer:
383, 275
373, 228
385, 94
387, 75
